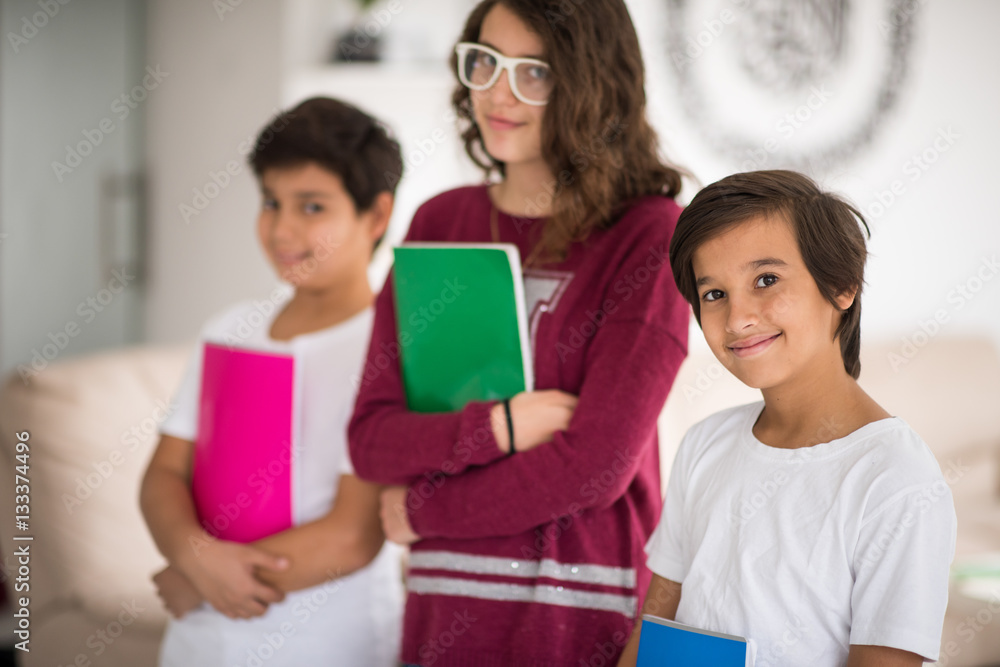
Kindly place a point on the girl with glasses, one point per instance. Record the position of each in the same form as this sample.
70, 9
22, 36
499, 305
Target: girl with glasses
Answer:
531, 552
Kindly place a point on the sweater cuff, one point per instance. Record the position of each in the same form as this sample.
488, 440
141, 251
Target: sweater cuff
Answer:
476, 445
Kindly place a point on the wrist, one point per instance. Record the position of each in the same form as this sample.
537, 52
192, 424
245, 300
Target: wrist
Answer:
187, 548
498, 422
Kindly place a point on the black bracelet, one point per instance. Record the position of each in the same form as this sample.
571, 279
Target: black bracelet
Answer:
510, 427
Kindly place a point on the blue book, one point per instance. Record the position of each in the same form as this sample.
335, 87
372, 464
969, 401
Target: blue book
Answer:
664, 643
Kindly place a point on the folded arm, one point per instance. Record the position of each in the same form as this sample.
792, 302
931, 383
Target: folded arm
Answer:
221, 571
391, 445
591, 464
344, 540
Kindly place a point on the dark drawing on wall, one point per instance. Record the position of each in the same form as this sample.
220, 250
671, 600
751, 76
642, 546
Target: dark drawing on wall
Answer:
803, 84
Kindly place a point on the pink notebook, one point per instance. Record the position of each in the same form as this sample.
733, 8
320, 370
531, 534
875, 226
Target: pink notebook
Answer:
242, 473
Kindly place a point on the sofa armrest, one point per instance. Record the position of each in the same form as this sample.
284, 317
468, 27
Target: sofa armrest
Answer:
93, 425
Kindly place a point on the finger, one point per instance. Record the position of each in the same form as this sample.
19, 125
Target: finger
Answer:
568, 400
254, 608
385, 505
269, 561
268, 594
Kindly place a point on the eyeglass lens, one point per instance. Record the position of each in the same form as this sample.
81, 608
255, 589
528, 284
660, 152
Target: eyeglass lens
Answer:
532, 80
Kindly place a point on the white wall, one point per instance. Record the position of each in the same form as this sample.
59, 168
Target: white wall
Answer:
937, 233
933, 237
225, 76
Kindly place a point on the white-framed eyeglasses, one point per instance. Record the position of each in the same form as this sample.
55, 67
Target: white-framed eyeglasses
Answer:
479, 67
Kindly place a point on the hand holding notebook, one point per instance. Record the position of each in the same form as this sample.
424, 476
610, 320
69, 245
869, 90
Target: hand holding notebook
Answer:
461, 324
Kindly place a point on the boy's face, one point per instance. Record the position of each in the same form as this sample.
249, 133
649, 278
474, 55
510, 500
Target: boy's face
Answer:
310, 230
761, 311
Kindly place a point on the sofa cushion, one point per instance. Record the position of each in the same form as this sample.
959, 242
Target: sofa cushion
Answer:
93, 425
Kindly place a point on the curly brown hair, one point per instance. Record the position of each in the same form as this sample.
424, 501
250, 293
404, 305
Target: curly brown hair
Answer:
596, 139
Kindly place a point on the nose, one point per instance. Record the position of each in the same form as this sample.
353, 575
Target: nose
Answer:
500, 92
742, 313
283, 223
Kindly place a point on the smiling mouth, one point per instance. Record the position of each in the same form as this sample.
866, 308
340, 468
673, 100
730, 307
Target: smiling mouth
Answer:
502, 124
288, 258
752, 346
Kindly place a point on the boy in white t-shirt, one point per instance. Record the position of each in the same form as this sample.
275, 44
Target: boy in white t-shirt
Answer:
812, 523
326, 202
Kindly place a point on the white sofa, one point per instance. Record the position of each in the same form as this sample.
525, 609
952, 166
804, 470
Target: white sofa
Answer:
92, 424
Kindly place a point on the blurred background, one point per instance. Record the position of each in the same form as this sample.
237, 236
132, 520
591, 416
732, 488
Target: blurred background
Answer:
892, 103
127, 212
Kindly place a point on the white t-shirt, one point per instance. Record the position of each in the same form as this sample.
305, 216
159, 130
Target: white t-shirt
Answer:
351, 620
807, 551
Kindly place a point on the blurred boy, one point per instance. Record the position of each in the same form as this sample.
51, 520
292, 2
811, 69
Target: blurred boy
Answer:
326, 203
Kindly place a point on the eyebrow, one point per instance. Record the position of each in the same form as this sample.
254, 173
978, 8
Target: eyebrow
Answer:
754, 264
308, 194
312, 194
497, 49
766, 261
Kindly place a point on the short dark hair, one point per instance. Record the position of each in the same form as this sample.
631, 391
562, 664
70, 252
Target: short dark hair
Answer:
340, 138
826, 228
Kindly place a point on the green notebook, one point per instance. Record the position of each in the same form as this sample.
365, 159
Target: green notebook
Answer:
461, 324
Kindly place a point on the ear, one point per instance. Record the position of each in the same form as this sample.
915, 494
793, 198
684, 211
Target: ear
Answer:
846, 298
379, 214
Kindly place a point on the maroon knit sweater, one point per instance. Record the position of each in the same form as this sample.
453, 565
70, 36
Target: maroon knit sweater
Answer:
535, 559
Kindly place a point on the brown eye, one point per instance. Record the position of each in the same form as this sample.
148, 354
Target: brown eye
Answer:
713, 295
